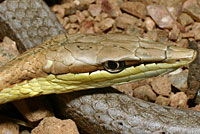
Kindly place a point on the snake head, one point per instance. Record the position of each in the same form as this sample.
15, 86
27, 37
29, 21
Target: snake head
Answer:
75, 62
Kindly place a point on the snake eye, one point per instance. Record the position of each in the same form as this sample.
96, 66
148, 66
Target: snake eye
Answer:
114, 66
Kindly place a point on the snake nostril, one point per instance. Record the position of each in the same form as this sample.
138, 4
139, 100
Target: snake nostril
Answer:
120, 123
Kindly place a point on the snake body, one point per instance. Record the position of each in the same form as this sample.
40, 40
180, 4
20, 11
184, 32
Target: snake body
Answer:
109, 112
75, 62
28, 22
68, 63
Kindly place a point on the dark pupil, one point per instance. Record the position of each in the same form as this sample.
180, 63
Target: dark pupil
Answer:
112, 65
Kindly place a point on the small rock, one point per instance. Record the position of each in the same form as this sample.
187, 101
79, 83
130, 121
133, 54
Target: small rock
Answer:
8, 128
106, 24
73, 18
185, 19
173, 6
90, 18
182, 43
171, 3
135, 8
174, 33
179, 100
174, 11
188, 3
87, 27
194, 87
189, 34
134, 30
85, 13
72, 31
8, 51
129, 87
77, 2
67, 26
102, 16
86, 1
180, 80
52, 125
34, 109
106, 6
124, 21
65, 21
114, 29
68, 5
162, 35
94, 9
144, 92
111, 7
196, 30
162, 85
139, 83
25, 132
149, 24
197, 98
188, 28
197, 35
161, 100
97, 28
125, 88
73, 28
153, 35
80, 16
158, 35
58, 9
193, 10
115, 12
161, 16
196, 108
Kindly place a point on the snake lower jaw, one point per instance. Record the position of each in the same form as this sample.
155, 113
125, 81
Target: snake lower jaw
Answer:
77, 51
73, 82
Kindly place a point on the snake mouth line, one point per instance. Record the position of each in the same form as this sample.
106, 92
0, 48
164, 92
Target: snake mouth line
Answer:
72, 82
61, 78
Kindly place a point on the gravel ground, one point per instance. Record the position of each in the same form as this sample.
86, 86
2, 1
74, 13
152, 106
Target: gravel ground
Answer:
175, 22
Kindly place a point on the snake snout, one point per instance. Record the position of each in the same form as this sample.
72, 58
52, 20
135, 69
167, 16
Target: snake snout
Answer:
177, 54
